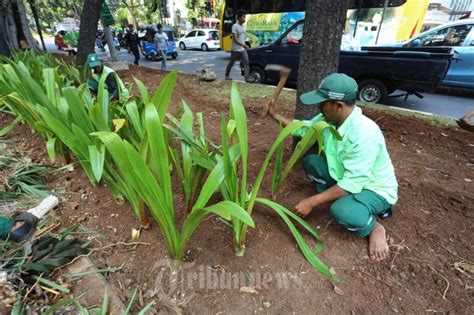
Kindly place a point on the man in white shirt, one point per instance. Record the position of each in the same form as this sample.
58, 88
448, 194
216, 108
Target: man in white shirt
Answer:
161, 43
239, 48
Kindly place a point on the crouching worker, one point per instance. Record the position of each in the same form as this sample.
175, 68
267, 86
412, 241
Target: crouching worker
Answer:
114, 85
355, 174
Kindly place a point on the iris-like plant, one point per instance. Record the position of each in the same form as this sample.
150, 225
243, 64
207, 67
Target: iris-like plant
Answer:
234, 133
65, 116
131, 149
153, 184
197, 154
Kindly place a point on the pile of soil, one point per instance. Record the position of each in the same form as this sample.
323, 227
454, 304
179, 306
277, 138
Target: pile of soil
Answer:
430, 264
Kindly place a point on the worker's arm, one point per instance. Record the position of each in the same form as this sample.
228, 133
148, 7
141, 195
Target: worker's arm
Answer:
305, 206
277, 117
112, 85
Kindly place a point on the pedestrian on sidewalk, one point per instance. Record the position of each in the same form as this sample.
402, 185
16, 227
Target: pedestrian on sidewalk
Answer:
133, 43
161, 43
239, 48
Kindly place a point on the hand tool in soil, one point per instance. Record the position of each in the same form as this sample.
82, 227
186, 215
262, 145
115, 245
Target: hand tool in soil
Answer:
284, 73
30, 218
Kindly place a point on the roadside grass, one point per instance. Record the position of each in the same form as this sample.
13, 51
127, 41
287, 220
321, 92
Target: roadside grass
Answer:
257, 91
254, 91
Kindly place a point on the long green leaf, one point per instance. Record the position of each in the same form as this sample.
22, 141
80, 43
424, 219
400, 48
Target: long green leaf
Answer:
305, 249
147, 308
239, 116
288, 130
105, 303
143, 91
49, 83
52, 284
10, 126
97, 158
131, 302
162, 95
134, 116
159, 152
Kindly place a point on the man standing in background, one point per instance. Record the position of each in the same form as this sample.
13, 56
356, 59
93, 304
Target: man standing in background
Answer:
133, 43
239, 48
161, 43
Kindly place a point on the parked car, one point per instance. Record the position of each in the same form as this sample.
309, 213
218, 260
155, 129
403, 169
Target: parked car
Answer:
378, 72
204, 39
146, 35
458, 35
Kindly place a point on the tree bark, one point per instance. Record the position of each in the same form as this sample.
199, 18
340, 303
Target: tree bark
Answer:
110, 43
7, 25
30, 40
89, 21
38, 25
324, 23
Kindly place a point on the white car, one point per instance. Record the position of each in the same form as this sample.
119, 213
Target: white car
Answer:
204, 39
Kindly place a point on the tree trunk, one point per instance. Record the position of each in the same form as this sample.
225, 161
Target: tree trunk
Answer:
324, 23
25, 26
4, 50
110, 43
89, 21
38, 25
7, 25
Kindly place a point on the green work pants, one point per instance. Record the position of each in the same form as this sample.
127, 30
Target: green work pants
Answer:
356, 212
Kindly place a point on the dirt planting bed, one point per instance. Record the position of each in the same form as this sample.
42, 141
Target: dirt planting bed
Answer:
430, 264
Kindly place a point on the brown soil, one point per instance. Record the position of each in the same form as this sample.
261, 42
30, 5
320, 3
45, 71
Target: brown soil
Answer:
429, 234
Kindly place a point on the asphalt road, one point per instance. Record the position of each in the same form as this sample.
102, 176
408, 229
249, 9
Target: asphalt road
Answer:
445, 102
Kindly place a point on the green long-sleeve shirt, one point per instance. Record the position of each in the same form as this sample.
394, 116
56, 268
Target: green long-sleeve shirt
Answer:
361, 160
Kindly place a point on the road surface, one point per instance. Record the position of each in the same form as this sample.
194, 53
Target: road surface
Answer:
446, 103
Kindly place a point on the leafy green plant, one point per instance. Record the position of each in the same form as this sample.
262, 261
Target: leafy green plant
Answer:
102, 310
19, 176
197, 154
25, 179
31, 262
236, 131
313, 135
153, 184
65, 116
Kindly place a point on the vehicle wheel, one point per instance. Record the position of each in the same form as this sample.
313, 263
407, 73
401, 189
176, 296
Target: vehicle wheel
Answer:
204, 47
257, 75
372, 91
182, 46
174, 56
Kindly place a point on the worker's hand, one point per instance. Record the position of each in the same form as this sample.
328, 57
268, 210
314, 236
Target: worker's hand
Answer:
246, 47
304, 207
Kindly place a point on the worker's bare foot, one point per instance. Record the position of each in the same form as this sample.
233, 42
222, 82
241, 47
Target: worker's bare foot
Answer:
378, 247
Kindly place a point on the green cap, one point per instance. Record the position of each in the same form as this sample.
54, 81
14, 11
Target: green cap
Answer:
93, 60
336, 86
